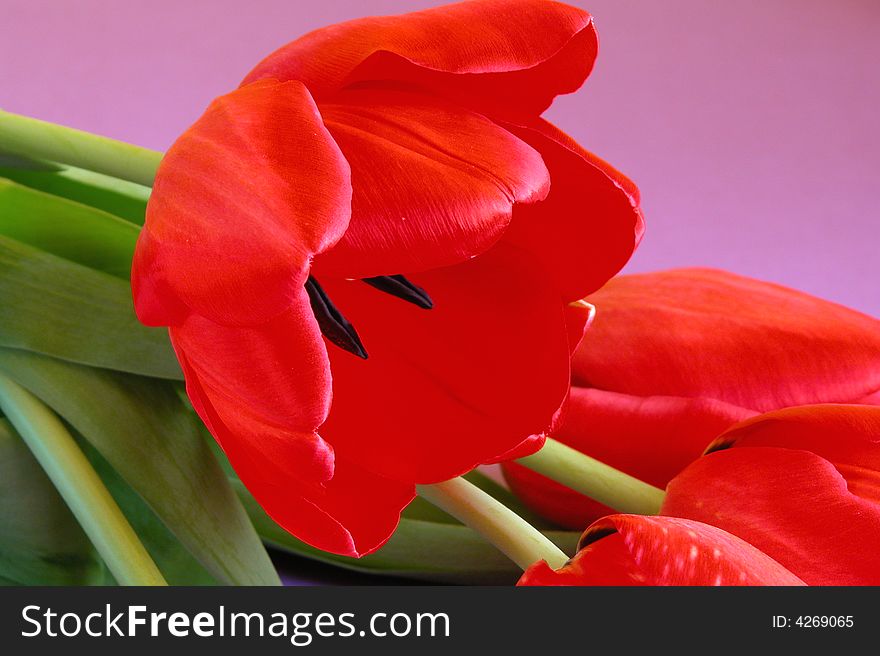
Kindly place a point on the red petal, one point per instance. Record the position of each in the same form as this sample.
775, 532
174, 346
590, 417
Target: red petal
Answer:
846, 435
241, 203
661, 551
578, 316
276, 374
712, 334
590, 223
351, 514
651, 438
433, 184
508, 57
449, 388
792, 505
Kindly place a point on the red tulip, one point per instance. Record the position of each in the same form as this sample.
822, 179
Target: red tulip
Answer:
675, 358
405, 152
638, 550
800, 484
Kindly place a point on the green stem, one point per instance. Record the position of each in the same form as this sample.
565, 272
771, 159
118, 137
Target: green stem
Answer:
79, 485
595, 479
503, 528
35, 139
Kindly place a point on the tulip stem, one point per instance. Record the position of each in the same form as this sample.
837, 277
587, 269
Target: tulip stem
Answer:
500, 526
38, 140
79, 485
595, 479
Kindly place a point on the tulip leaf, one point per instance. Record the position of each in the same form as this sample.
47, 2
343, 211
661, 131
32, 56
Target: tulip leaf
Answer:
127, 200
41, 542
55, 307
177, 564
11, 161
146, 433
441, 552
70, 230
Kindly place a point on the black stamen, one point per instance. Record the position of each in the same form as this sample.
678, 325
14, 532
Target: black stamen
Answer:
402, 288
334, 326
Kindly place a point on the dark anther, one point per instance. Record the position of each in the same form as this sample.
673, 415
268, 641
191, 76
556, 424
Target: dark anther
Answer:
402, 288
334, 326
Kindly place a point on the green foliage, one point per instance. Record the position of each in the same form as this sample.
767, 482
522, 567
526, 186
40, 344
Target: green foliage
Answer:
40, 541
151, 439
52, 306
121, 198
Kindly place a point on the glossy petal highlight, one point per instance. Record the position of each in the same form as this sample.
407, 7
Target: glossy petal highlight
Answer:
434, 184
242, 202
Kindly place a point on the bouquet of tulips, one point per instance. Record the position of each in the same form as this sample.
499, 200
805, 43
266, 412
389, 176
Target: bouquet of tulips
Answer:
366, 273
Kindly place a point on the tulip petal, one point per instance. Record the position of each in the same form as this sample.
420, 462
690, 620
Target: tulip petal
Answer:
434, 184
637, 550
502, 57
242, 202
351, 514
449, 388
651, 438
792, 505
588, 226
713, 334
848, 436
269, 385
578, 316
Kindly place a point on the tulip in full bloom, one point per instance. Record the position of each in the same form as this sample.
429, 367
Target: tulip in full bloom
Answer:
675, 358
799, 486
348, 248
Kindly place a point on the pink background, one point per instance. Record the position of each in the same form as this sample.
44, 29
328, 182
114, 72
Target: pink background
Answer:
751, 126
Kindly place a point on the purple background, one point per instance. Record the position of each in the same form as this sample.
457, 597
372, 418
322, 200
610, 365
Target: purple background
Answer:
750, 126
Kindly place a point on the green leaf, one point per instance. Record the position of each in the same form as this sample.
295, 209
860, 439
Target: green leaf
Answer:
32, 139
55, 307
121, 198
442, 552
10, 161
40, 540
176, 563
76, 232
152, 440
